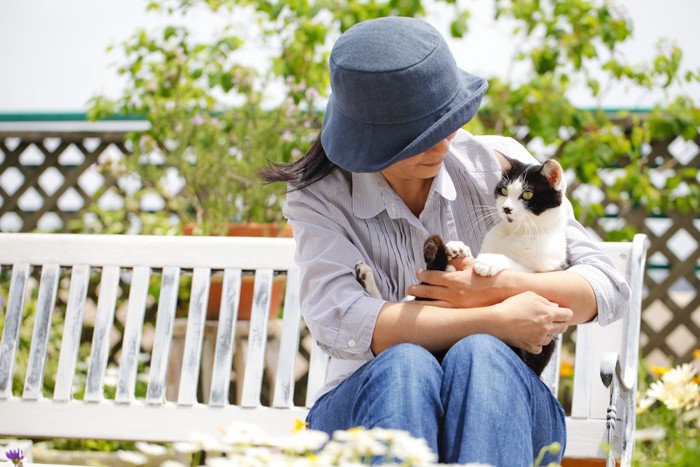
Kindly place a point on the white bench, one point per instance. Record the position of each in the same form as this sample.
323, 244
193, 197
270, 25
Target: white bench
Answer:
137, 260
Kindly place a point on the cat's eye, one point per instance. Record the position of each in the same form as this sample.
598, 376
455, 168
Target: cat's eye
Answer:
527, 195
504, 191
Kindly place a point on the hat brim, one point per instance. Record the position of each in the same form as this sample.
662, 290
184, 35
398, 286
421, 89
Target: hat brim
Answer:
364, 147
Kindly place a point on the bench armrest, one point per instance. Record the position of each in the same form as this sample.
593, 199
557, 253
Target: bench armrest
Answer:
620, 390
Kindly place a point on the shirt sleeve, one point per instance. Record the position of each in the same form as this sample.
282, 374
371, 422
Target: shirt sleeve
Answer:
337, 310
587, 260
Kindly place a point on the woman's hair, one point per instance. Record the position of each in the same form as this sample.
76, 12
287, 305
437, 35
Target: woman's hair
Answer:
310, 168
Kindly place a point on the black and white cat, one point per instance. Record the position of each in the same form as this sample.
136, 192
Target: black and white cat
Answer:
529, 237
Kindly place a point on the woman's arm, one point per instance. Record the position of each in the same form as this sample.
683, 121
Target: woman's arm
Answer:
465, 288
525, 320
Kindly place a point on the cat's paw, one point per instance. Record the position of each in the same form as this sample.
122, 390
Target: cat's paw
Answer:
457, 249
365, 276
490, 264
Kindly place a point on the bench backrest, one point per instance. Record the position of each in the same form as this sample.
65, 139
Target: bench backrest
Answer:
137, 260
134, 259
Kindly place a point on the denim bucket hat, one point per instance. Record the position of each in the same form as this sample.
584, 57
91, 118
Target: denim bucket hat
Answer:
396, 91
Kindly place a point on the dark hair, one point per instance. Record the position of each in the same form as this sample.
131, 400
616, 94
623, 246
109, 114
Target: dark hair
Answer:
310, 168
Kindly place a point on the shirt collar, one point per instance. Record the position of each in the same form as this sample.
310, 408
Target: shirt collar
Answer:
371, 194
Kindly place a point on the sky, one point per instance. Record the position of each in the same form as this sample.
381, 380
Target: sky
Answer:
53, 52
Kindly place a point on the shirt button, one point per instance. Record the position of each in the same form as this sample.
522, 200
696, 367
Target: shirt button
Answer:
610, 315
351, 343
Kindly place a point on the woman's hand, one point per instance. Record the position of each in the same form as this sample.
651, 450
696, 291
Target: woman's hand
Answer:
529, 321
462, 288
522, 318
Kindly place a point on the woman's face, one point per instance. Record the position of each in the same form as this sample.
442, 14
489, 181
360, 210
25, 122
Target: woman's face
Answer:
425, 165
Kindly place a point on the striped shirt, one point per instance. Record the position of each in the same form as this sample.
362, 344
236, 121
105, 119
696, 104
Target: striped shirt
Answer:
348, 217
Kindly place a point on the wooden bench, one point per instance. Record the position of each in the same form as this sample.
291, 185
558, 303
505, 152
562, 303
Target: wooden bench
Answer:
136, 262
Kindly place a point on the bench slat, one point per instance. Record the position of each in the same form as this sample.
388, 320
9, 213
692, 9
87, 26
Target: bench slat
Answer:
167, 303
156, 251
318, 366
138, 421
131, 346
13, 321
99, 353
289, 343
72, 330
550, 374
257, 338
225, 337
48, 288
191, 359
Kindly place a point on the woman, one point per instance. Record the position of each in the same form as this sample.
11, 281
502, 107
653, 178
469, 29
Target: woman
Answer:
393, 166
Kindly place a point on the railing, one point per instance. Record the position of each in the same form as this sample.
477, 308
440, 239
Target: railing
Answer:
49, 174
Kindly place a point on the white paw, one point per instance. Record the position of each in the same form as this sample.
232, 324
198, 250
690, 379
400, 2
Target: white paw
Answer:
490, 264
457, 249
365, 276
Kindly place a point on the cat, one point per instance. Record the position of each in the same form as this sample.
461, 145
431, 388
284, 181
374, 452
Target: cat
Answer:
531, 234
529, 237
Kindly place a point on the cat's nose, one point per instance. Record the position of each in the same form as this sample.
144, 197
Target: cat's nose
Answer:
507, 210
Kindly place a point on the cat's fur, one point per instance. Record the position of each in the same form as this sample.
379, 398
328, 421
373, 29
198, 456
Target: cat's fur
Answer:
530, 237
436, 253
532, 233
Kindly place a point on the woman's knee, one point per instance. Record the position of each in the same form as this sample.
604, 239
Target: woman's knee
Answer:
407, 370
477, 344
408, 359
482, 350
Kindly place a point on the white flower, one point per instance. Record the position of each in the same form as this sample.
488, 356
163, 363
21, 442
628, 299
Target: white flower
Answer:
207, 443
692, 416
172, 463
413, 450
675, 389
219, 462
151, 449
247, 445
650, 434
680, 375
302, 441
186, 448
239, 433
132, 457
644, 404
111, 377
361, 442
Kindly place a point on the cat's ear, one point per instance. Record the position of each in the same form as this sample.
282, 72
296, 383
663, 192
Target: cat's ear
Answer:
553, 172
505, 161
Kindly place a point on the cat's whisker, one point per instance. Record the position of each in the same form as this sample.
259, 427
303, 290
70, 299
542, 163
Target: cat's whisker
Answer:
485, 215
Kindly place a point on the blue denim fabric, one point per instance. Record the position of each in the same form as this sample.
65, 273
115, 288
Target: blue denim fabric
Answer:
480, 404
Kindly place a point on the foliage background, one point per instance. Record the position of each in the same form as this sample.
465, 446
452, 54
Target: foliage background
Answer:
202, 103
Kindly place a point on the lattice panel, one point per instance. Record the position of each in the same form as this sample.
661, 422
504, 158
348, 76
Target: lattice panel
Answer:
671, 304
48, 175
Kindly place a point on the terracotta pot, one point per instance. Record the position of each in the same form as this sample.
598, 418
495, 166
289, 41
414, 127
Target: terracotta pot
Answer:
246, 301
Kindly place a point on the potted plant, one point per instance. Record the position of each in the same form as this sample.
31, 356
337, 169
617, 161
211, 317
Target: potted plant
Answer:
212, 128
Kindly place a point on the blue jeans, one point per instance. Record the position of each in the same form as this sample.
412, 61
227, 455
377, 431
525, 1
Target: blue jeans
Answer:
480, 404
